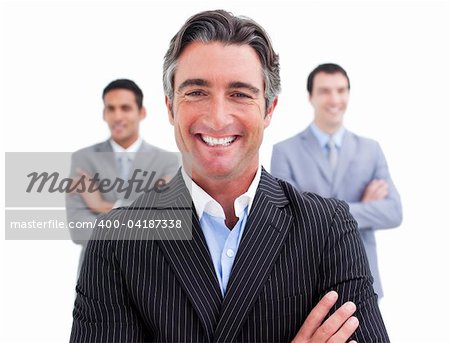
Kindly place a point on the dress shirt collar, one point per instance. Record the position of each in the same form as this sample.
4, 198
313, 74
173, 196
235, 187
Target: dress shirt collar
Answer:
204, 202
132, 148
323, 137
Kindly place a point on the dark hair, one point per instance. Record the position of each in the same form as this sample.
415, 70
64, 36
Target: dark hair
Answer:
329, 68
222, 26
126, 84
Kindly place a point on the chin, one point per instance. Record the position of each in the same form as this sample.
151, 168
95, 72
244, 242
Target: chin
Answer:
216, 171
122, 138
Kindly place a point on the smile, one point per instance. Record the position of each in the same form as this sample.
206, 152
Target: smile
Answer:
223, 141
118, 126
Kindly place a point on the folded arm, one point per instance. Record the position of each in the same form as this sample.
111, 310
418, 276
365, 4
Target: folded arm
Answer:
380, 206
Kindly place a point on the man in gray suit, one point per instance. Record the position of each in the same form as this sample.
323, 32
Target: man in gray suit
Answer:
124, 156
329, 160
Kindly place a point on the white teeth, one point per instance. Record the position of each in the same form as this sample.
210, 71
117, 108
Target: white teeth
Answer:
211, 141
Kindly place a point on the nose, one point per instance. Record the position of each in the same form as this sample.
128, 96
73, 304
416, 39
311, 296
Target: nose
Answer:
220, 113
334, 98
117, 115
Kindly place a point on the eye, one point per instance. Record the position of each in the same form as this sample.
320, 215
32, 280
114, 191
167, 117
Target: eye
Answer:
240, 95
195, 93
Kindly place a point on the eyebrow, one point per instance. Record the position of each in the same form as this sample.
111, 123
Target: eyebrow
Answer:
193, 82
204, 83
238, 84
330, 87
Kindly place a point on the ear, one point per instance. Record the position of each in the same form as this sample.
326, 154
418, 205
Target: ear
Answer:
169, 109
142, 113
103, 114
269, 112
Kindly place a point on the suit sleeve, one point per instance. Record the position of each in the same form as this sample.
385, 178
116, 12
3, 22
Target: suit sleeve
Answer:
345, 269
380, 214
103, 311
280, 166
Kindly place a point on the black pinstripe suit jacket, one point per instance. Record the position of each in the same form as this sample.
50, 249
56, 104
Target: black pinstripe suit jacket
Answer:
295, 248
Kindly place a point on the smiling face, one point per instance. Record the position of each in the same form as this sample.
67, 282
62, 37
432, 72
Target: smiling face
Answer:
123, 116
329, 97
218, 111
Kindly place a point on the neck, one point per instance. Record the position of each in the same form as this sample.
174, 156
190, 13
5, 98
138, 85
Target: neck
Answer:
127, 142
329, 129
225, 191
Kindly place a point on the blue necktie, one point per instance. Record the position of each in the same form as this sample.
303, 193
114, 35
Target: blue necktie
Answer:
332, 153
124, 166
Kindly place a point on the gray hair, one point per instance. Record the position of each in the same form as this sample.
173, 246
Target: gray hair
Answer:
222, 26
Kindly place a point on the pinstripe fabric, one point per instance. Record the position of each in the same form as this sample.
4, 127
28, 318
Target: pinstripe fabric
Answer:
295, 248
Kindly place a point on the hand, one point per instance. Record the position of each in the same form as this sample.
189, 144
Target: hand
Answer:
376, 190
94, 200
336, 329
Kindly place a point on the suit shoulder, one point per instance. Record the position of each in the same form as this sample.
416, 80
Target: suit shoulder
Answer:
288, 141
300, 198
364, 141
147, 147
99, 147
170, 202
315, 214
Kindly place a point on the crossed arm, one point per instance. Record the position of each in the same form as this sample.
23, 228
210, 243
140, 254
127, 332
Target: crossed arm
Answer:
380, 205
336, 329
344, 269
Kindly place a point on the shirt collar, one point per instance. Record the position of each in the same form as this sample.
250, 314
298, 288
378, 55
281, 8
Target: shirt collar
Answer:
132, 148
204, 202
323, 137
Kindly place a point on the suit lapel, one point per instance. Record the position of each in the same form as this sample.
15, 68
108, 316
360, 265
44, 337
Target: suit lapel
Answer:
312, 146
346, 155
104, 147
264, 235
143, 157
192, 264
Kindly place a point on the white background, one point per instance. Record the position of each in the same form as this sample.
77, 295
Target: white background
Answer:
57, 57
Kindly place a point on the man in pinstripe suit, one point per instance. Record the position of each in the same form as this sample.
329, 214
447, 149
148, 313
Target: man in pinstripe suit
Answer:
260, 255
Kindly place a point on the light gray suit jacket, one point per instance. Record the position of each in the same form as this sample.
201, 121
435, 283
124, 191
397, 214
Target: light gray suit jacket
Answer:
100, 158
301, 161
